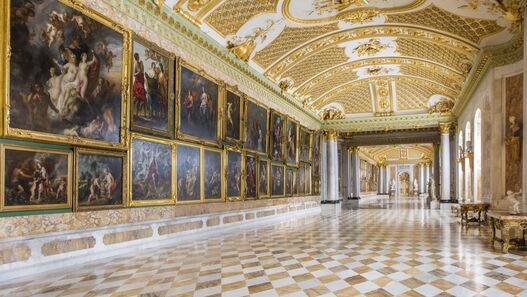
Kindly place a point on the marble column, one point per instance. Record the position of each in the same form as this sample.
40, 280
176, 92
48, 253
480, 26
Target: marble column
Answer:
435, 170
524, 144
428, 164
444, 129
333, 168
355, 165
346, 174
387, 180
323, 167
421, 184
380, 182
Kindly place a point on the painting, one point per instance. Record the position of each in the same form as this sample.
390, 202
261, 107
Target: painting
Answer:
67, 70
263, 178
100, 179
277, 136
188, 173
256, 127
234, 174
277, 180
233, 116
308, 190
289, 182
250, 177
212, 167
35, 178
291, 142
151, 172
198, 107
295, 182
301, 180
152, 89
316, 154
305, 145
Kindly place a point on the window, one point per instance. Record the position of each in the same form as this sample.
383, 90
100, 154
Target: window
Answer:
468, 170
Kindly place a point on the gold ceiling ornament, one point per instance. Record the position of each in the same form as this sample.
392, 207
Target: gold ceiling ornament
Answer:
285, 84
444, 128
325, 6
243, 47
331, 113
195, 5
443, 107
413, 96
332, 135
383, 98
370, 48
159, 3
360, 16
510, 10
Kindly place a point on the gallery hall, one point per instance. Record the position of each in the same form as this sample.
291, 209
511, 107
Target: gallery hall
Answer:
260, 148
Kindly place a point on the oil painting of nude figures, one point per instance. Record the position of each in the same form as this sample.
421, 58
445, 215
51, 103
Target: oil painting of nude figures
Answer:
256, 127
233, 116
36, 178
66, 72
151, 172
152, 89
198, 107
100, 178
188, 174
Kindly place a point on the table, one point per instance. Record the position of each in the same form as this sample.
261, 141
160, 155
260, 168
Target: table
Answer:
503, 221
465, 208
454, 209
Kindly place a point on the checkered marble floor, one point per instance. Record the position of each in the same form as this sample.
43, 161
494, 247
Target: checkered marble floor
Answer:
380, 250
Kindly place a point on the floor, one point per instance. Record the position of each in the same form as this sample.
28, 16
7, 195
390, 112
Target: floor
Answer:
386, 249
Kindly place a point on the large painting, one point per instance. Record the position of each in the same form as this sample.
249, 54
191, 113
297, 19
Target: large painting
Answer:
295, 182
212, 168
233, 116
289, 182
67, 69
152, 89
301, 180
263, 178
198, 107
188, 173
316, 154
305, 145
256, 127
152, 168
277, 133
308, 180
35, 178
250, 177
234, 174
277, 180
291, 142
100, 179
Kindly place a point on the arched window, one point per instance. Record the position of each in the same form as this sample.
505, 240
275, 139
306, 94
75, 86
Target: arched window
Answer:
477, 155
460, 174
468, 170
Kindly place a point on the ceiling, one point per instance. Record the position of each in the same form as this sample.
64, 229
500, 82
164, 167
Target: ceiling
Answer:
401, 153
361, 57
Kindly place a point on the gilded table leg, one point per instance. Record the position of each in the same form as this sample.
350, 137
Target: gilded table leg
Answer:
505, 237
493, 229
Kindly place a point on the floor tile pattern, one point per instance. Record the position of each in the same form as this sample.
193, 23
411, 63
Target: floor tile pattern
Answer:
390, 249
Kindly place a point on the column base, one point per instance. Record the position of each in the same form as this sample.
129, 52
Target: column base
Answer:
330, 202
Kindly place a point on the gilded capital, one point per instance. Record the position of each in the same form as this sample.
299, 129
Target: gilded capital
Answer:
332, 135
444, 128
354, 149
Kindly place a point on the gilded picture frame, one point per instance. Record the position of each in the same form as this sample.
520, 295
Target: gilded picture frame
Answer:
291, 160
221, 176
248, 136
227, 117
169, 132
68, 154
68, 138
276, 192
288, 182
305, 149
250, 181
132, 162
180, 135
124, 178
264, 177
277, 153
229, 177
309, 180
179, 167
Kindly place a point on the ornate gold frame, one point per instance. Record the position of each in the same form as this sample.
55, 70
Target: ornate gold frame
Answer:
64, 139
313, 141
245, 175
309, 134
290, 182
268, 162
242, 177
124, 184
29, 148
234, 90
221, 94
201, 190
222, 179
245, 105
131, 201
271, 129
171, 88
283, 180
297, 153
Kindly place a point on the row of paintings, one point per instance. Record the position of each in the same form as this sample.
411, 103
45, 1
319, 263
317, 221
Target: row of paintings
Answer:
68, 75
160, 172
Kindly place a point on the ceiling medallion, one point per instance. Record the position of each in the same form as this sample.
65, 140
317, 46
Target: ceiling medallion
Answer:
243, 47
372, 47
511, 10
195, 5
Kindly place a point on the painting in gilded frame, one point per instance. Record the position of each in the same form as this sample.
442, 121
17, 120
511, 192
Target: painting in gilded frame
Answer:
234, 176
277, 180
295, 182
316, 154
188, 173
198, 106
212, 168
288, 182
301, 180
256, 125
66, 72
233, 116
277, 136
152, 170
291, 142
308, 180
35, 178
304, 140
263, 178
100, 179
152, 89
251, 187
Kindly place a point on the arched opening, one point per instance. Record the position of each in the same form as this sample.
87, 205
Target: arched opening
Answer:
461, 175
468, 170
477, 156
404, 184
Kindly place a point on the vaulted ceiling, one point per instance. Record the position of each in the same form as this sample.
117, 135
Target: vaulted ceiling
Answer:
402, 153
362, 57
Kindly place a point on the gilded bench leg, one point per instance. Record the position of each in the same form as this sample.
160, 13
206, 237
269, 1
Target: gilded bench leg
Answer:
505, 237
